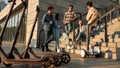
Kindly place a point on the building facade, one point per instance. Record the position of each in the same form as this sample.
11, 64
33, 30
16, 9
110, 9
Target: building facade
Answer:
2, 4
61, 6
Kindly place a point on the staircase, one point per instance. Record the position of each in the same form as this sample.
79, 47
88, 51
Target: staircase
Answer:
114, 40
110, 49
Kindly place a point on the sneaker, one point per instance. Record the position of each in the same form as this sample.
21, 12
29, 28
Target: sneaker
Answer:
42, 48
58, 50
68, 47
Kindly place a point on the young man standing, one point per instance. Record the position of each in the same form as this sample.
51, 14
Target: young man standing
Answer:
92, 15
69, 17
48, 21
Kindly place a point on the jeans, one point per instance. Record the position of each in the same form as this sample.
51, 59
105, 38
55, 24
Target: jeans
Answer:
81, 35
68, 28
58, 34
49, 36
46, 35
91, 33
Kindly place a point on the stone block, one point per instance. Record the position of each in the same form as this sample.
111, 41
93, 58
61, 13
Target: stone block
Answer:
118, 45
114, 56
108, 55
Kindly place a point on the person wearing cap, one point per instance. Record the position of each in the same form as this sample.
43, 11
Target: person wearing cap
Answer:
48, 21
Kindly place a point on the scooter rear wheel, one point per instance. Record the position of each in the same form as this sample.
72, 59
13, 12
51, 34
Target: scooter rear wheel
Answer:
83, 53
66, 58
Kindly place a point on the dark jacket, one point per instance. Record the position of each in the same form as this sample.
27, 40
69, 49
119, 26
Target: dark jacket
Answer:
46, 21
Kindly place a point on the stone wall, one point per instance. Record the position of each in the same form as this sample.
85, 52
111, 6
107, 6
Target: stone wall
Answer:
32, 4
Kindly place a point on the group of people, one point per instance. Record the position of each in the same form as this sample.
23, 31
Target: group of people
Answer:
54, 27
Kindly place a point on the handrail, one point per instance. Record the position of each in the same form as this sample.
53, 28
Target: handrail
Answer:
116, 8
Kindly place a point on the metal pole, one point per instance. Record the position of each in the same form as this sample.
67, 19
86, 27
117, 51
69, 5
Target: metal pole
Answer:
3, 30
31, 33
18, 28
106, 18
111, 18
118, 14
87, 38
73, 31
106, 39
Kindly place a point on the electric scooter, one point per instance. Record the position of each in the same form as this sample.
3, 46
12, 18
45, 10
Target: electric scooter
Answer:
89, 50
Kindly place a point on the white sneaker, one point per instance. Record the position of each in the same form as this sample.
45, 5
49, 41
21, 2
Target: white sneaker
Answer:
58, 50
68, 47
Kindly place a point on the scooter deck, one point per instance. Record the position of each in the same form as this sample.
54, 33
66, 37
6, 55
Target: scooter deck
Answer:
22, 61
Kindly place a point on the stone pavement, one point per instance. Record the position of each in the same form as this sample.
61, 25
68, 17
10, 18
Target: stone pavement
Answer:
76, 62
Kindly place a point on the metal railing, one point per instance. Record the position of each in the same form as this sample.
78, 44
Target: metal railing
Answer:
116, 9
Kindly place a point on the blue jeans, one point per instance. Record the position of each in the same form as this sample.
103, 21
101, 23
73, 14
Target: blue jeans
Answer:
81, 35
68, 28
46, 35
49, 36
60, 32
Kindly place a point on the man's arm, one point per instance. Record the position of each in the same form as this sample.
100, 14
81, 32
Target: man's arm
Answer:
64, 19
43, 19
75, 16
89, 14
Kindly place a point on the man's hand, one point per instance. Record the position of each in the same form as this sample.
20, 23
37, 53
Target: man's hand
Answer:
61, 26
89, 22
70, 21
51, 22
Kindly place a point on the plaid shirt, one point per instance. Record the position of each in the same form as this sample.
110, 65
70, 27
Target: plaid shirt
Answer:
69, 16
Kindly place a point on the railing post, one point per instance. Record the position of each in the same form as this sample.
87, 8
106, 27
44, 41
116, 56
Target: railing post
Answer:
87, 38
106, 38
73, 31
118, 13
111, 18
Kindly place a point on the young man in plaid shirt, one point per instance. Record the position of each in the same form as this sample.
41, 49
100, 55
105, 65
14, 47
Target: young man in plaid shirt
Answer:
69, 17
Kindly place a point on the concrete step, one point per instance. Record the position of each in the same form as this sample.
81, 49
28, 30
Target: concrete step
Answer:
71, 35
98, 40
118, 45
114, 40
110, 32
102, 40
108, 50
103, 35
115, 23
